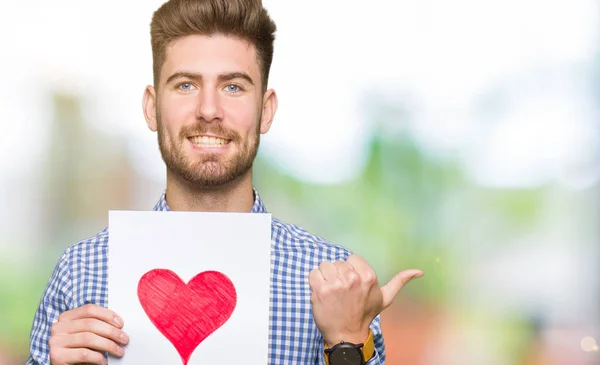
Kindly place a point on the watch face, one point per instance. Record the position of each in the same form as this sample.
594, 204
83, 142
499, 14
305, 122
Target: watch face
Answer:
345, 356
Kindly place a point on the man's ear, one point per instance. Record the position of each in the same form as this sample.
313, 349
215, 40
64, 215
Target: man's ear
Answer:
149, 107
268, 110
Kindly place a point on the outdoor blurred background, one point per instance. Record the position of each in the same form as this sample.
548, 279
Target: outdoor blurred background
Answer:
460, 137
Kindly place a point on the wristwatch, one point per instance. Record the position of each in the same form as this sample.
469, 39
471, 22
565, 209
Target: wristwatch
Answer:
346, 353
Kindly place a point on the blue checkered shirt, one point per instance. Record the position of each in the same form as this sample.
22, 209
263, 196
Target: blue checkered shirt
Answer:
80, 278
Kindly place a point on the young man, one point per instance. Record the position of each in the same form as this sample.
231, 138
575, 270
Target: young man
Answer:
209, 105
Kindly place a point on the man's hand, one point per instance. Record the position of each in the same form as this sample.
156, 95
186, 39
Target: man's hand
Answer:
346, 298
83, 334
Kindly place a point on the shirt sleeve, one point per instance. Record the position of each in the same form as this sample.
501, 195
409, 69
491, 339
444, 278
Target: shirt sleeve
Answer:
379, 354
54, 301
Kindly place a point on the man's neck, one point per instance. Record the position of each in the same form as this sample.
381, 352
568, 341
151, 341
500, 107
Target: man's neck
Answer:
235, 196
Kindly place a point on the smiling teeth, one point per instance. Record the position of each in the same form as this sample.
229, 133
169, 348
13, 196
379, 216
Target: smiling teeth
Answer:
208, 141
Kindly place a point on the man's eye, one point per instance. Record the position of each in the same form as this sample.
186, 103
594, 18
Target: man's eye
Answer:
186, 86
232, 88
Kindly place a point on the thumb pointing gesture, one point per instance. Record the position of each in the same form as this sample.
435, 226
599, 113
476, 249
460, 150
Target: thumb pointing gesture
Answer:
392, 288
346, 297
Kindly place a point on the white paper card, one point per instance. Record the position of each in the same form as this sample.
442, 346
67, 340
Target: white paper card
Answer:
153, 257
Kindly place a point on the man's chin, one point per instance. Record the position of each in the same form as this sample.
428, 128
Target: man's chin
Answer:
208, 179
208, 172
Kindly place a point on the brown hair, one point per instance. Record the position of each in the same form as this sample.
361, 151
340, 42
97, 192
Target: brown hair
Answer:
245, 19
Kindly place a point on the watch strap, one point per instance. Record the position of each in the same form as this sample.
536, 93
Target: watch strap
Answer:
368, 349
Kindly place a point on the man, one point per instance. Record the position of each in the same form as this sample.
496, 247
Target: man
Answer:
209, 105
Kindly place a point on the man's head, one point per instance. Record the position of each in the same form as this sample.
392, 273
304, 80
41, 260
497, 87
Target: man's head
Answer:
209, 103
244, 19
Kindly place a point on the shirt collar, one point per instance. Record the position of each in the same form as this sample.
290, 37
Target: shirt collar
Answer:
258, 206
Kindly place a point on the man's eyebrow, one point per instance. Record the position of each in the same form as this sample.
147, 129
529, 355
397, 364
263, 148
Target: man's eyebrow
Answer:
184, 75
236, 75
222, 78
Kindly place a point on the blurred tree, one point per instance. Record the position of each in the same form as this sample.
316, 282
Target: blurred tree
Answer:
86, 173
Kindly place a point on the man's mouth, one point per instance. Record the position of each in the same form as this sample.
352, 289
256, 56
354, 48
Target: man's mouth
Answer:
208, 141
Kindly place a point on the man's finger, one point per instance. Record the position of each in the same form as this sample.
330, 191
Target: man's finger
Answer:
360, 265
79, 356
346, 272
315, 279
392, 288
92, 311
93, 325
329, 271
364, 270
94, 342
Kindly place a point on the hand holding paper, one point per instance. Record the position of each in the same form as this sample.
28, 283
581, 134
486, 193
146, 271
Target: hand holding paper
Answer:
83, 334
346, 298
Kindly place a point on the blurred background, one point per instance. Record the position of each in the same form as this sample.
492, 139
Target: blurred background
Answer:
460, 137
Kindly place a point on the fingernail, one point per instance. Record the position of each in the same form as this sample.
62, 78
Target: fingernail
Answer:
124, 337
118, 321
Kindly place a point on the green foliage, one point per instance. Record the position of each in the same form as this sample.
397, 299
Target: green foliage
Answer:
20, 292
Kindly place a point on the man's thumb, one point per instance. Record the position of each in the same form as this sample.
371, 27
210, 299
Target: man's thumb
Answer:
392, 288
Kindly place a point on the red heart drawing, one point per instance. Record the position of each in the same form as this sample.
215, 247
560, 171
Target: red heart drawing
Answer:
186, 314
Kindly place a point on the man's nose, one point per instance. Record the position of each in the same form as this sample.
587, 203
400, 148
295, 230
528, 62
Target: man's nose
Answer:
209, 106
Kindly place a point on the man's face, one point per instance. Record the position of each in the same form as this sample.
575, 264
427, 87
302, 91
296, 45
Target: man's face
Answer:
209, 109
